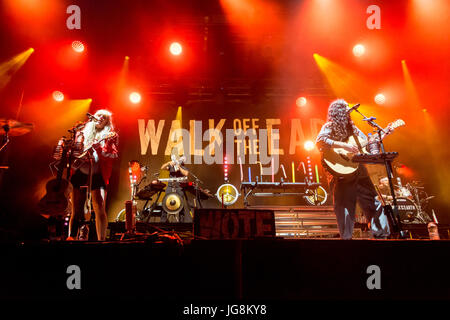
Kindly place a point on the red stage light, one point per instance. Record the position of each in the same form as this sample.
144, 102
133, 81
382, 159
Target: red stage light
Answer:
135, 97
58, 96
380, 98
78, 46
301, 102
176, 49
359, 50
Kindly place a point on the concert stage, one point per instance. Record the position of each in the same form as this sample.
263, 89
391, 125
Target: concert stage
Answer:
186, 153
229, 270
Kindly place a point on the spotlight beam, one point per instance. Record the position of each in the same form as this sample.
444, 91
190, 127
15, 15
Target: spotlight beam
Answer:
10, 67
343, 82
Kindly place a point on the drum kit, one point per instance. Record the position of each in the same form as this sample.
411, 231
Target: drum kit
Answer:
172, 202
412, 202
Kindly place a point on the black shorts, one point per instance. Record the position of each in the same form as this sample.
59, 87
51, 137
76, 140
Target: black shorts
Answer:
80, 179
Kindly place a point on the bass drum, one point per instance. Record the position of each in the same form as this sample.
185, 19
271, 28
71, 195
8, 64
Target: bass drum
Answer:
407, 210
316, 197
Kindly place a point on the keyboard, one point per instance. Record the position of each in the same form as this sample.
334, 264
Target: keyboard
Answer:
374, 158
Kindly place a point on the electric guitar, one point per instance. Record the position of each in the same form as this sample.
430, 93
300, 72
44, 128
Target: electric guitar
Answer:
338, 161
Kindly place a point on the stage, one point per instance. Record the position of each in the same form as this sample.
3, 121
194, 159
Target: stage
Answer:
228, 270
185, 154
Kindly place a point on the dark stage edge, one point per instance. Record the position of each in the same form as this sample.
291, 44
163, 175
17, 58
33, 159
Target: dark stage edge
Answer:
228, 270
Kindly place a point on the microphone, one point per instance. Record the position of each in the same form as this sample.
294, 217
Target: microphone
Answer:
356, 106
92, 117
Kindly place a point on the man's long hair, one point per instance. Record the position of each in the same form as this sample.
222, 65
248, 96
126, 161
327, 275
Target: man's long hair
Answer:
91, 133
339, 120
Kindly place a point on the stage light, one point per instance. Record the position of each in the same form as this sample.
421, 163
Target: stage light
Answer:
301, 102
58, 96
380, 98
176, 49
78, 46
227, 194
358, 50
135, 97
225, 170
309, 145
11, 66
343, 81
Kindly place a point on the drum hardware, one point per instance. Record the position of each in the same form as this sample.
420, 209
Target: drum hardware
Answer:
172, 202
414, 188
427, 199
411, 206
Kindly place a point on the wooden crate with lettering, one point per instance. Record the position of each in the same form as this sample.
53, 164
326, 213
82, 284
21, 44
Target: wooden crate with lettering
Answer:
233, 224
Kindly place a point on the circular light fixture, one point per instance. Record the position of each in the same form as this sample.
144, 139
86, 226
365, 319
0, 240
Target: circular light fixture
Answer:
359, 50
309, 145
301, 102
380, 98
228, 194
317, 196
135, 97
78, 46
58, 96
175, 48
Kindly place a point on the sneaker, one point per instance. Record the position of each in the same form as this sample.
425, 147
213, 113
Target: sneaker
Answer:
84, 233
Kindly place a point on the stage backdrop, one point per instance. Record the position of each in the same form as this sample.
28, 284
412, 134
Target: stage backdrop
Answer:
256, 139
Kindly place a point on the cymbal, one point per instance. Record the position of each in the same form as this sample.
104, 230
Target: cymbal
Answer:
16, 128
427, 199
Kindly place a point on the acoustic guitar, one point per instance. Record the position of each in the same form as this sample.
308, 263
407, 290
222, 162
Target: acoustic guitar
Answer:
338, 161
56, 200
87, 149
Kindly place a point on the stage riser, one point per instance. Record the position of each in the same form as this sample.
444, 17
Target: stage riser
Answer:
305, 221
254, 269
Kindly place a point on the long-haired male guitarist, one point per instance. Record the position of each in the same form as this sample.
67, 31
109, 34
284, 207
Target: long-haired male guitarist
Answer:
100, 142
356, 187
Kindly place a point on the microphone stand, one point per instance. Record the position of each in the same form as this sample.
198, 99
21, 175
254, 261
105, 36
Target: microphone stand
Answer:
388, 164
197, 181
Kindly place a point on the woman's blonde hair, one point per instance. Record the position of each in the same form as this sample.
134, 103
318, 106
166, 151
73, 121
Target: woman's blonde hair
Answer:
90, 132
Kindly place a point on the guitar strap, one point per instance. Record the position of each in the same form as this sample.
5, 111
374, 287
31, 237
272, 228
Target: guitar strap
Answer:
357, 142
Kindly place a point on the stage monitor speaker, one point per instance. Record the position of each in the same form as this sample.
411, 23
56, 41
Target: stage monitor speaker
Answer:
233, 224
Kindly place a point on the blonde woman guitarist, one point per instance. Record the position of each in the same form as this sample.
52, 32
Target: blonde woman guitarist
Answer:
349, 189
93, 170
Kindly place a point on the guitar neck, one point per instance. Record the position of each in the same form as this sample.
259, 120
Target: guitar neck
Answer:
62, 165
111, 135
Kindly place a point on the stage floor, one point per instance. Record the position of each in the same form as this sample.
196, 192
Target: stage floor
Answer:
262, 269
